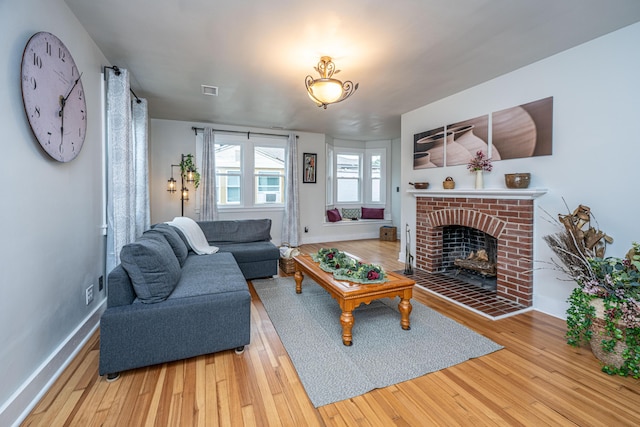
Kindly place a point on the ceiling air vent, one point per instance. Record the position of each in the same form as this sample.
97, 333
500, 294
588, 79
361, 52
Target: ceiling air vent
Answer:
209, 90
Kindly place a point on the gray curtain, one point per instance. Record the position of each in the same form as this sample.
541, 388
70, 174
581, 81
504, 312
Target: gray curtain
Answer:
127, 167
208, 205
291, 218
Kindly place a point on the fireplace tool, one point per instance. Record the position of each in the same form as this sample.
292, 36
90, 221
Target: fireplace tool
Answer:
408, 269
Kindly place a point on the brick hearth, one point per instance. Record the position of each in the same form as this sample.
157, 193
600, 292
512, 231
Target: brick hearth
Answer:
509, 221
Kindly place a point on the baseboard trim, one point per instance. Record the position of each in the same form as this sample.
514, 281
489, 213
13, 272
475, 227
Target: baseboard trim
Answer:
22, 402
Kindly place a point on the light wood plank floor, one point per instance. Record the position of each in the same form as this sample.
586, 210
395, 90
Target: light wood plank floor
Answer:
536, 379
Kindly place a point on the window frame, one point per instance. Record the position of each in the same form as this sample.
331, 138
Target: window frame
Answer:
248, 173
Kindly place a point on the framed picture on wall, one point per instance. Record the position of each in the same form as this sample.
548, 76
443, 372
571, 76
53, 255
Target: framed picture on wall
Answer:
309, 168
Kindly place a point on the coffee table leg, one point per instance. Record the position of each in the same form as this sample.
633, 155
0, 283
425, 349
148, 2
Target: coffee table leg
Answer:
405, 311
346, 319
298, 277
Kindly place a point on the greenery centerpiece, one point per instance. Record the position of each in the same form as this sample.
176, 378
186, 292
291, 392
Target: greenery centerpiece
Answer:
344, 267
604, 309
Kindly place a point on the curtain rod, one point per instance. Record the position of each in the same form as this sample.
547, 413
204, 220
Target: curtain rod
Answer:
196, 129
116, 70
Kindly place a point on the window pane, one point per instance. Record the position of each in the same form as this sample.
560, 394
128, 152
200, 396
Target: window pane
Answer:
228, 156
228, 171
269, 173
375, 166
348, 166
270, 188
375, 190
348, 190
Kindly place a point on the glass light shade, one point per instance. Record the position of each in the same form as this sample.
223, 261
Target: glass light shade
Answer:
327, 90
171, 185
185, 194
190, 176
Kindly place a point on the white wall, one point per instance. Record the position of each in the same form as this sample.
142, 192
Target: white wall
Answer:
596, 149
170, 138
50, 218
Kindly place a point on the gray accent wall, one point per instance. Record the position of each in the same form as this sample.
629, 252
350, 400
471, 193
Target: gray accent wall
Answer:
50, 217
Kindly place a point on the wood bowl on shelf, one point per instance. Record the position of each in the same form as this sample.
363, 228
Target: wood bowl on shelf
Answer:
420, 185
517, 180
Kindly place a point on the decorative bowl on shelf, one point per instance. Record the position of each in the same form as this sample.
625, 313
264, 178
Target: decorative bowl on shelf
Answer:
420, 185
517, 180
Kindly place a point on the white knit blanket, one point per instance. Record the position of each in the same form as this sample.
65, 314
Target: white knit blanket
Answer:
194, 235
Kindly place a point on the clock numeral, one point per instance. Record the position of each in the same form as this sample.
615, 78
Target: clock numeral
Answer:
49, 139
61, 54
84, 116
33, 82
37, 61
48, 48
36, 111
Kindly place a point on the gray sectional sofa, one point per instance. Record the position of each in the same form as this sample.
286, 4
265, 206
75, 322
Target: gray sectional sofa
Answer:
165, 302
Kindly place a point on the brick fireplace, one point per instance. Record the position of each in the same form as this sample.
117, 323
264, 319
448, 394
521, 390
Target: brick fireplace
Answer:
506, 216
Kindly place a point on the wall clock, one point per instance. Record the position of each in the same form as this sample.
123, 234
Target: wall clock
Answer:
53, 96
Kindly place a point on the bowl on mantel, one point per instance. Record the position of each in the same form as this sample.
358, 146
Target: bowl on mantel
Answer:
517, 180
420, 185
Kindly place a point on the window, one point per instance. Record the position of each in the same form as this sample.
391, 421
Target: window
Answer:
269, 174
249, 173
374, 176
228, 173
356, 176
348, 177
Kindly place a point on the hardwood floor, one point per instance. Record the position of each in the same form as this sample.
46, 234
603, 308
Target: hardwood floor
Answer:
537, 379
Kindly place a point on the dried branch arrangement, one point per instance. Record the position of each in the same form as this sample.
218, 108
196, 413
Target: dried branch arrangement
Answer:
577, 243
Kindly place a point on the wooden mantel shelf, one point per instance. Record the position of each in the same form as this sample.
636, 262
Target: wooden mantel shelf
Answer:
493, 193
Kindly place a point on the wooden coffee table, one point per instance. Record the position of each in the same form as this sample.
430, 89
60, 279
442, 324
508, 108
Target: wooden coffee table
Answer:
350, 295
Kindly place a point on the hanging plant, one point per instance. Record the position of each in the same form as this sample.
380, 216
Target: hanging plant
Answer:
188, 165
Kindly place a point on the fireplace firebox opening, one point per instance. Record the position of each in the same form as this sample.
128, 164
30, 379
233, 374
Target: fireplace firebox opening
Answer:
470, 255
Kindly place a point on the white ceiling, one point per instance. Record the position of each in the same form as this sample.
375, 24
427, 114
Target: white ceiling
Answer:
403, 53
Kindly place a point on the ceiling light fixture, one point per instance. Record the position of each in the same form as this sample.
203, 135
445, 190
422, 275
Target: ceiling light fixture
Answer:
327, 90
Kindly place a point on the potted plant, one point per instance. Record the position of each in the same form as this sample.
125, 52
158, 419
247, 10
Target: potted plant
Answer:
189, 170
604, 309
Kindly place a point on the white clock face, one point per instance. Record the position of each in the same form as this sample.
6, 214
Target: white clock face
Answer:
53, 96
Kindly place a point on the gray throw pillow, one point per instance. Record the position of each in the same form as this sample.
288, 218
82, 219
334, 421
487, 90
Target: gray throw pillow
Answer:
177, 244
152, 266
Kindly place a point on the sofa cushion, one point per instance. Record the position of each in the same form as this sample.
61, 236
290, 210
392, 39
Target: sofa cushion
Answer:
152, 266
372, 213
252, 252
333, 215
175, 241
209, 274
236, 231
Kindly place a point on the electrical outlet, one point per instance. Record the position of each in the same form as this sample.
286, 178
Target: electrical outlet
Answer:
89, 294
100, 283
